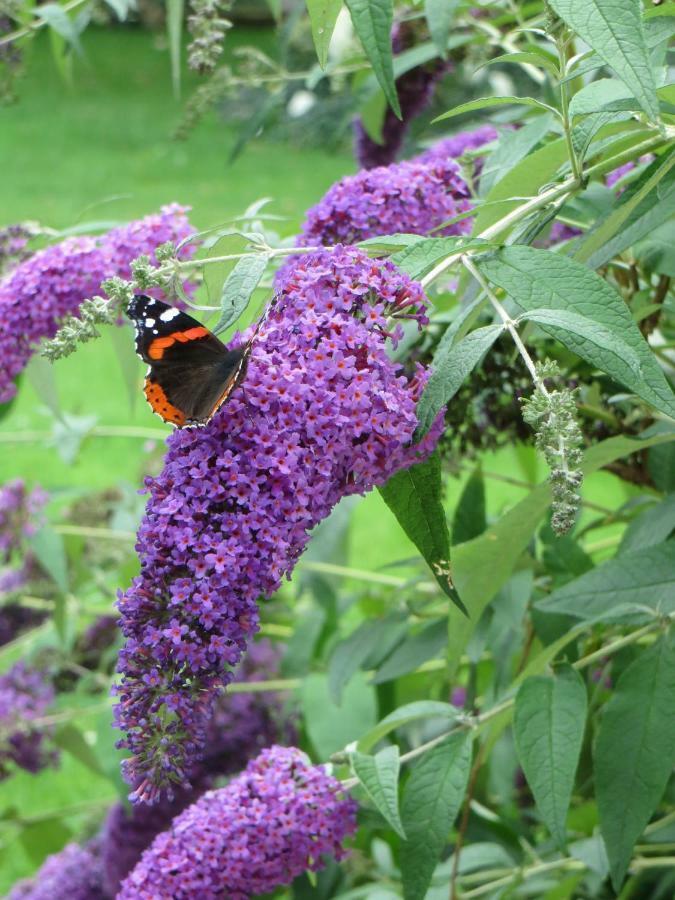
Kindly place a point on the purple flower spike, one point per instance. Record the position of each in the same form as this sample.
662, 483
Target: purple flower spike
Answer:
323, 413
409, 197
271, 823
20, 518
25, 695
459, 144
37, 294
241, 725
73, 873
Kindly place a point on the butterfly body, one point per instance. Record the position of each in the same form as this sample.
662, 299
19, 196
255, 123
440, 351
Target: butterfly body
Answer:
191, 372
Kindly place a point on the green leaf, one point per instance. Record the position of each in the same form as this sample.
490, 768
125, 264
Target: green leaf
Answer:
483, 102
641, 209
389, 243
420, 257
69, 738
349, 655
323, 16
584, 132
524, 180
591, 852
470, 518
534, 57
123, 346
59, 21
483, 565
635, 751
656, 252
513, 146
563, 321
404, 715
613, 28
48, 547
175, 10
372, 21
238, 289
652, 527
414, 496
548, 727
48, 835
372, 114
603, 94
122, 8
450, 367
378, 776
640, 578
68, 435
432, 798
541, 278
440, 15
416, 649
331, 727
40, 373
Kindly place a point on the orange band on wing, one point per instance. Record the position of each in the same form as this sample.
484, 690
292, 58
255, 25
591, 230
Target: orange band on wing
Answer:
161, 405
159, 345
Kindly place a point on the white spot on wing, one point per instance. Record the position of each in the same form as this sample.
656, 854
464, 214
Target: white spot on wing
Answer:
169, 314
149, 323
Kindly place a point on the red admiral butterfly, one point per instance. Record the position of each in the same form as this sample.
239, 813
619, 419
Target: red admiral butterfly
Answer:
192, 373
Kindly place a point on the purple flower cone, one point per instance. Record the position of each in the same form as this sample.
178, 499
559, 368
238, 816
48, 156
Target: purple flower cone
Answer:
270, 824
73, 873
410, 197
25, 695
37, 294
241, 725
323, 413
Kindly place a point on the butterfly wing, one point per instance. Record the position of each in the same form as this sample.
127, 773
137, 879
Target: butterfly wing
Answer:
192, 373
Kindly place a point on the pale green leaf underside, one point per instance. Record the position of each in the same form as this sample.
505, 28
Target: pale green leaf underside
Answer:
614, 29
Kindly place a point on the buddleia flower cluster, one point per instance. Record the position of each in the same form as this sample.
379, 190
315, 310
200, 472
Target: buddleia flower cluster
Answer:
74, 873
14, 245
404, 197
20, 518
276, 820
323, 413
552, 413
39, 293
240, 726
457, 145
10, 55
25, 695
